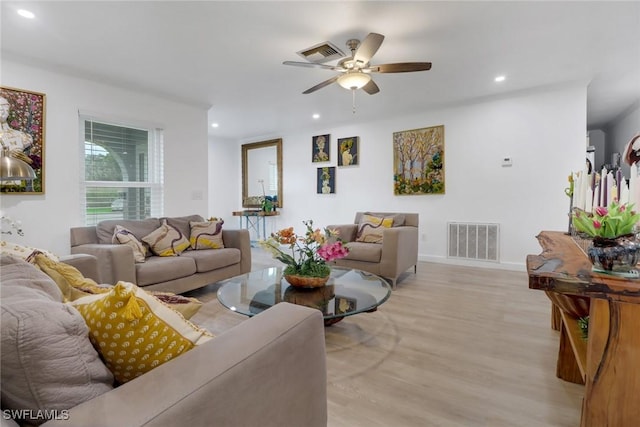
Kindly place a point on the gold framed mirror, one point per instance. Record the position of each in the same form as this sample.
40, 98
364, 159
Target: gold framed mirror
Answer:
261, 172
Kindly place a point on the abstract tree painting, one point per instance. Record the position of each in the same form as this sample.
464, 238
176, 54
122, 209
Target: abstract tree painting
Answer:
418, 161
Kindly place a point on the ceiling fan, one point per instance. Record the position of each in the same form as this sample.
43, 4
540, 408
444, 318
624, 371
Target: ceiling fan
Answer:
354, 72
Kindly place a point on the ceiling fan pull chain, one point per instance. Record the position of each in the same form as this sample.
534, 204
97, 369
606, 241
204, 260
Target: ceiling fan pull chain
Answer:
353, 93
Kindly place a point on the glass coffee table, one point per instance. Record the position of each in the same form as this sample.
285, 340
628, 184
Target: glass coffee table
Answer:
347, 292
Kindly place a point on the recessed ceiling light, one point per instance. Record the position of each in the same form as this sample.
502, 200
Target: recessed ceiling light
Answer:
500, 78
214, 125
26, 14
316, 116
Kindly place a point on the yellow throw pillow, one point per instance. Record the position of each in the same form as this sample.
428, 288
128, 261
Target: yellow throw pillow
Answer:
123, 236
74, 285
166, 240
69, 279
206, 235
371, 228
134, 332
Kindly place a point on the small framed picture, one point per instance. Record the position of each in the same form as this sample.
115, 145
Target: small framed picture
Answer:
320, 148
348, 154
326, 180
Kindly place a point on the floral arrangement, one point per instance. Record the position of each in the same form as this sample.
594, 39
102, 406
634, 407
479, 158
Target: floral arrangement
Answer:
606, 222
309, 253
267, 202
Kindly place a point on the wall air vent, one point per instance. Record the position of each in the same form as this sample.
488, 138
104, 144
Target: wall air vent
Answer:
323, 52
474, 241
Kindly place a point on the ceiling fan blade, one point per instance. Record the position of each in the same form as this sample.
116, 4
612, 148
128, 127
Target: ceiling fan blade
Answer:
368, 47
309, 65
401, 67
371, 88
321, 85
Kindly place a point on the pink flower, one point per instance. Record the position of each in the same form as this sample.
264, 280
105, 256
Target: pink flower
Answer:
597, 224
333, 251
622, 208
601, 211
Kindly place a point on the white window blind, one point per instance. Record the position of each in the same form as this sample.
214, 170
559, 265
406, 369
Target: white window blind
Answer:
122, 171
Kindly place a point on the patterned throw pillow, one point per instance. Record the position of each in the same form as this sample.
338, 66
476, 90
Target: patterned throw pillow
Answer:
371, 228
187, 306
206, 235
166, 240
26, 253
123, 236
134, 332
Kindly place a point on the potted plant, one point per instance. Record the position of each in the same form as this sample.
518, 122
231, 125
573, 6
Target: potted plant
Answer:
306, 265
614, 246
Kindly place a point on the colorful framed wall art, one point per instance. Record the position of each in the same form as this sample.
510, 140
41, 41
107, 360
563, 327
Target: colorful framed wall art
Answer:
326, 180
418, 161
22, 132
348, 154
320, 148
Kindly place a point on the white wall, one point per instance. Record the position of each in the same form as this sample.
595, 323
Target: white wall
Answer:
598, 139
623, 128
46, 219
225, 180
544, 134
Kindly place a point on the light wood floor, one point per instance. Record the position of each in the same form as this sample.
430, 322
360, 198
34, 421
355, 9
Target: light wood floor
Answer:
453, 346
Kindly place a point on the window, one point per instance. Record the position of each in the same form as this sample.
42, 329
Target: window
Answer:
273, 177
122, 173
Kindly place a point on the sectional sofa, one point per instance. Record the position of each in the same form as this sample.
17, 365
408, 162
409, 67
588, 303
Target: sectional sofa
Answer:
269, 370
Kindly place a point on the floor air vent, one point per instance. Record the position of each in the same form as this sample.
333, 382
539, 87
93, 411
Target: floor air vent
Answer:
474, 241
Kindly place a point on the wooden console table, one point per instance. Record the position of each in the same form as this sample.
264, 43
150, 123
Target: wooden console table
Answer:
255, 220
610, 359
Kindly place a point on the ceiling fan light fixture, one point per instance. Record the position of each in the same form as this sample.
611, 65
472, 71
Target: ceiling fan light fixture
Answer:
354, 80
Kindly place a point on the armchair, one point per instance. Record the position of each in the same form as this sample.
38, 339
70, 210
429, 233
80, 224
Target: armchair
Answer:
397, 251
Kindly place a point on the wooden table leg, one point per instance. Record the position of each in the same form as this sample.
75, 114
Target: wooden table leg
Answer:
567, 365
555, 317
612, 390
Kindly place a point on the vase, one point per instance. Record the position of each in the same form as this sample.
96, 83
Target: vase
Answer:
305, 281
620, 254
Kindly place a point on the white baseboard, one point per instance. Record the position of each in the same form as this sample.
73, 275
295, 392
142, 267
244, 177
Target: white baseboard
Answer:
472, 263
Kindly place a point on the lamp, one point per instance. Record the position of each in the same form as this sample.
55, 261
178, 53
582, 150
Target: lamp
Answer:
14, 169
353, 80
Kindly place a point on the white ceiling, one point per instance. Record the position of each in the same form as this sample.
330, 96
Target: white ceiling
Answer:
228, 55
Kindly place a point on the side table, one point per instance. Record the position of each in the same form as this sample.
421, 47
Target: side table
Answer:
608, 361
255, 220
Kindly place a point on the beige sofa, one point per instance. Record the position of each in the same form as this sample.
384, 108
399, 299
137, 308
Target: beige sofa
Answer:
389, 259
270, 370
192, 269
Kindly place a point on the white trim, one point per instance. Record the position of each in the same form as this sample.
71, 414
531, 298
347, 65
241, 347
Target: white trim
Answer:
470, 263
113, 119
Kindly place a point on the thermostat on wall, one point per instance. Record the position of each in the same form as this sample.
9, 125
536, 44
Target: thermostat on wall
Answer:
507, 161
